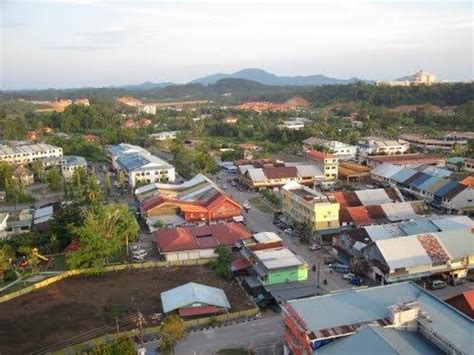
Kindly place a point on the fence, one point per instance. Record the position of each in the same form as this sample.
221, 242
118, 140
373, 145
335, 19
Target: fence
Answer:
109, 268
93, 343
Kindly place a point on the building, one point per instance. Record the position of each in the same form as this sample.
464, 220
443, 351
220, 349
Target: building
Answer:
463, 302
262, 174
324, 324
147, 108
343, 151
469, 165
406, 160
194, 201
443, 192
278, 265
28, 153
293, 124
419, 78
327, 162
193, 300
307, 205
352, 242
3, 224
164, 136
23, 175
70, 163
139, 165
41, 218
129, 101
374, 145
188, 243
353, 172
420, 256
448, 142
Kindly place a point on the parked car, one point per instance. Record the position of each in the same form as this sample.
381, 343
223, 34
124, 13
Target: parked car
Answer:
348, 276
224, 187
437, 285
240, 188
357, 281
246, 205
340, 268
233, 183
314, 247
330, 261
293, 233
457, 281
139, 255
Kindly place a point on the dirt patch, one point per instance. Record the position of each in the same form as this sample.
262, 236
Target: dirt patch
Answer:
77, 305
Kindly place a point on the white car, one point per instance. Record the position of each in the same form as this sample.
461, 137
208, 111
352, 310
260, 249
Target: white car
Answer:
139, 255
314, 247
348, 276
224, 187
246, 205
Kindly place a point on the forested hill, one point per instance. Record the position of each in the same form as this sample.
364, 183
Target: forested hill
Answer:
239, 90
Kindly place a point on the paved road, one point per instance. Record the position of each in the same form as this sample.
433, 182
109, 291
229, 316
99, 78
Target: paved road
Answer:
259, 221
452, 291
265, 335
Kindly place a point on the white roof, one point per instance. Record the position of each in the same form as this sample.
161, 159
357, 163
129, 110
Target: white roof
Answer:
453, 222
266, 237
373, 197
256, 174
278, 258
399, 211
384, 231
359, 245
308, 170
457, 243
43, 212
403, 252
386, 170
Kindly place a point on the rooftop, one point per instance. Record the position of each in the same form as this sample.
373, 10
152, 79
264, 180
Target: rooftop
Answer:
278, 258
191, 293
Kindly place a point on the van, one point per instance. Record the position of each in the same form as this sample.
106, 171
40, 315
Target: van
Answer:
437, 284
457, 281
341, 268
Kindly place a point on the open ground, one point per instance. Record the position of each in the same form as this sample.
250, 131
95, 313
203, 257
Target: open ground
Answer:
80, 304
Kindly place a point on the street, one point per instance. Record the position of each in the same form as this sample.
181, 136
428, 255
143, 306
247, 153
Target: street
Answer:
258, 221
264, 335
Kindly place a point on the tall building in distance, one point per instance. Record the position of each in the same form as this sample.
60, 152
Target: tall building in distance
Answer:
419, 78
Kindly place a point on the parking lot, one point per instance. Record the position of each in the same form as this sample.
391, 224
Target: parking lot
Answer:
258, 221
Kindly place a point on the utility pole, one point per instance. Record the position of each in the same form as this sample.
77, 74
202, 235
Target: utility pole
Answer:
318, 265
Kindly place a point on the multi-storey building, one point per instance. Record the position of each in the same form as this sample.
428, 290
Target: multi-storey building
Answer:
374, 145
139, 165
328, 163
307, 205
343, 151
28, 153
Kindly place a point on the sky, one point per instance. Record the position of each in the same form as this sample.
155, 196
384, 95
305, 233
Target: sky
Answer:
77, 43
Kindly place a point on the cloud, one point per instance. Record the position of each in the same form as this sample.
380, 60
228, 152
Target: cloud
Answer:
78, 48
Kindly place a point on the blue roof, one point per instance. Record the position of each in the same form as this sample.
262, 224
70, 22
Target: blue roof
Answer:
420, 180
418, 227
437, 171
425, 184
369, 304
456, 160
378, 340
403, 175
192, 293
446, 188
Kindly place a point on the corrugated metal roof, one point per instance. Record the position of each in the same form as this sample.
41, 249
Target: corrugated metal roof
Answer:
386, 170
425, 184
372, 339
191, 293
434, 186
256, 174
446, 188
399, 211
366, 305
420, 180
418, 227
403, 252
383, 231
453, 222
278, 258
403, 175
373, 197
266, 237
458, 243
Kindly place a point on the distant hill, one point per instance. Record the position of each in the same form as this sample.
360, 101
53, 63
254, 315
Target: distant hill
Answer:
263, 77
146, 86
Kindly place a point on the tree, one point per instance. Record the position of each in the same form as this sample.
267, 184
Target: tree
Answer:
306, 231
5, 173
221, 264
360, 266
172, 330
64, 221
91, 190
53, 179
107, 185
159, 224
31, 255
7, 255
120, 346
37, 169
105, 230
121, 181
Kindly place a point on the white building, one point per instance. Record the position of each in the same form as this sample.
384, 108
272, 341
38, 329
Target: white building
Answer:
163, 136
419, 78
294, 123
343, 151
375, 145
27, 153
139, 165
70, 164
147, 108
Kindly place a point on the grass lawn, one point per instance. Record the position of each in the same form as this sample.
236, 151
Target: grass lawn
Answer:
258, 202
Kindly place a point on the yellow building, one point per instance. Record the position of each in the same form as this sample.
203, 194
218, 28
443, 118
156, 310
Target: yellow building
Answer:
328, 163
307, 205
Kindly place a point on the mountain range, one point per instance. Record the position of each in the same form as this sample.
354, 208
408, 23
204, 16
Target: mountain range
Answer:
257, 75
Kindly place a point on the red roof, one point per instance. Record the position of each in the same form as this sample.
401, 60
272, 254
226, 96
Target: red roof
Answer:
469, 181
469, 296
240, 264
280, 172
72, 246
359, 215
198, 311
204, 237
346, 199
320, 156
